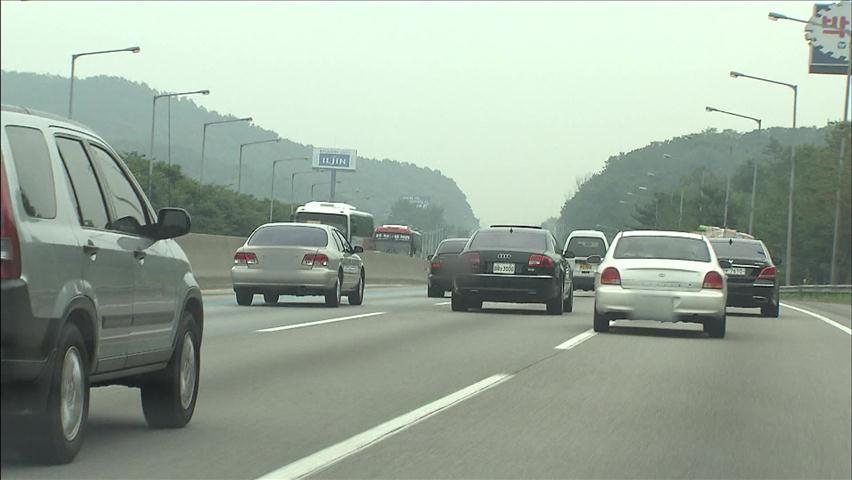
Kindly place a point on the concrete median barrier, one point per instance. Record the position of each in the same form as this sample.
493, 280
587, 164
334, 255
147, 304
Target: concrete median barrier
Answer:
212, 256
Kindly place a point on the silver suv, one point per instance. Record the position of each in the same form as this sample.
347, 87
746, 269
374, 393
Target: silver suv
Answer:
94, 292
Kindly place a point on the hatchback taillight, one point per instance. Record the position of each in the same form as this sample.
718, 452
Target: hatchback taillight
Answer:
768, 273
540, 261
10, 248
315, 259
713, 280
473, 261
245, 258
610, 276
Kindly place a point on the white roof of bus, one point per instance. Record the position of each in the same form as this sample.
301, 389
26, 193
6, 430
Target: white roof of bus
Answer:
329, 207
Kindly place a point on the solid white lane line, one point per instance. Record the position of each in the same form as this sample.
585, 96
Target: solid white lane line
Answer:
335, 453
318, 322
443, 303
827, 320
576, 340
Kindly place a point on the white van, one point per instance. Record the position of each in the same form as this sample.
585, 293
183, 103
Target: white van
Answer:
582, 244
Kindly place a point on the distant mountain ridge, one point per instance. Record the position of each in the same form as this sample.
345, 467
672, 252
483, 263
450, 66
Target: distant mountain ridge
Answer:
120, 111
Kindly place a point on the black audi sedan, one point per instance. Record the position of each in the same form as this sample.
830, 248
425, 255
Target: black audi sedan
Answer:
752, 276
517, 264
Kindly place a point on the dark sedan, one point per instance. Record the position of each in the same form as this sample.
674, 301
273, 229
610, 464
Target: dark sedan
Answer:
513, 264
442, 265
752, 276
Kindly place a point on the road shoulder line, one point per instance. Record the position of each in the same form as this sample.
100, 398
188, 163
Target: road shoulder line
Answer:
827, 320
335, 453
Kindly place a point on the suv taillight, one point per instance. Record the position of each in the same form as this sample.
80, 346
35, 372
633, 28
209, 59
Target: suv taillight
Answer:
610, 276
245, 258
10, 248
768, 273
540, 261
713, 280
434, 266
473, 260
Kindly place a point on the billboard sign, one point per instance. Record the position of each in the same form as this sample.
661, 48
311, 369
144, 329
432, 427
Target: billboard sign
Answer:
334, 159
828, 34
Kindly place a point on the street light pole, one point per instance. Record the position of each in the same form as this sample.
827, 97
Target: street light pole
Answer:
789, 253
240, 166
293, 182
272, 186
74, 58
204, 138
153, 118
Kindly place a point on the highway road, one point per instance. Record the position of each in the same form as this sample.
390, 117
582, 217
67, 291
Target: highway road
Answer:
401, 387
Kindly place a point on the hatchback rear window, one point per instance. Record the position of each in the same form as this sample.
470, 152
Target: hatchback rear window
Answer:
586, 246
289, 236
664, 248
535, 240
451, 247
35, 174
748, 250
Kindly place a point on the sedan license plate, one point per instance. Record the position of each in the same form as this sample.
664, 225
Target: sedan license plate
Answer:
506, 268
735, 271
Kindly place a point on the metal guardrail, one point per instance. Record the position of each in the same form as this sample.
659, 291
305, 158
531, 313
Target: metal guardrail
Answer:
817, 289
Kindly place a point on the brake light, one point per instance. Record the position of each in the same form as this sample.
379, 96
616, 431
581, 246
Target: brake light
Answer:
540, 261
10, 248
610, 276
472, 259
768, 273
245, 258
435, 266
713, 280
315, 259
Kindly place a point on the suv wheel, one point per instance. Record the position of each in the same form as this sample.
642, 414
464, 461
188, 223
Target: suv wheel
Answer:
270, 298
357, 295
332, 298
58, 434
601, 323
168, 400
244, 296
569, 302
770, 311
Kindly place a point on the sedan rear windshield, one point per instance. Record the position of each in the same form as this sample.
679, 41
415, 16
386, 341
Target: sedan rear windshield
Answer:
534, 240
289, 236
664, 248
586, 246
738, 249
454, 246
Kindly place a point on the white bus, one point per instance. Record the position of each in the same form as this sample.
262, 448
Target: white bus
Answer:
356, 226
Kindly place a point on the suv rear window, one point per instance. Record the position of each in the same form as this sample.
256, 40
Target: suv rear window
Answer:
586, 246
664, 248
738, 249
455, 246
289, 236
520, 239
35, 175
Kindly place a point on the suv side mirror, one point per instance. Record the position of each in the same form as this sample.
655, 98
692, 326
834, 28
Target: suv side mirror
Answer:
358, 249
725, 263
171, 223
594, 260
569, 254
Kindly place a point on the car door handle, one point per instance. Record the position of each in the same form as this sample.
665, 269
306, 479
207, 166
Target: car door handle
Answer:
90, 248
139, 254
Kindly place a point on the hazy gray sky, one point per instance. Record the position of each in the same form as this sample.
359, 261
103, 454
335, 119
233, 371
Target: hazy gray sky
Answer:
512, 100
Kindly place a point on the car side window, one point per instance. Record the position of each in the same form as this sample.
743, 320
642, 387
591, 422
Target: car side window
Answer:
336, 237
34, 171
345, 243
84, 183
129, 213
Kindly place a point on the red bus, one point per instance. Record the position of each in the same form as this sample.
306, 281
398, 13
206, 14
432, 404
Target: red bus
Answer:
396, 239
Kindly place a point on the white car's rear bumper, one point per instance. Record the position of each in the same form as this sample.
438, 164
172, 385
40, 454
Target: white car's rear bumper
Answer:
661, 305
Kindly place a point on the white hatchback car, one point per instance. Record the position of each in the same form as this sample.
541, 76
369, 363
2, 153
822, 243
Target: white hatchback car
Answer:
580, 245
663, 276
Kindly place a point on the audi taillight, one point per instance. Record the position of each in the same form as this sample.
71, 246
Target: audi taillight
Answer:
768, 273
245, 258
610, 276
472, 259
540, 261
10, 248
315, 259
713, 280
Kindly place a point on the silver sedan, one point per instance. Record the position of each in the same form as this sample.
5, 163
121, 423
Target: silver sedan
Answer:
298, 259
663, 276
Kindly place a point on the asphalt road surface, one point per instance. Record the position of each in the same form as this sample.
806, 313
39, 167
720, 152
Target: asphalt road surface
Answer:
401, 387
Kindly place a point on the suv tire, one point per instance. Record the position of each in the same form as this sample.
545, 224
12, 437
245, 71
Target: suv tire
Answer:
244, 297
569, 302
168, 399
601, 322
57, 437
357, 295
770, 311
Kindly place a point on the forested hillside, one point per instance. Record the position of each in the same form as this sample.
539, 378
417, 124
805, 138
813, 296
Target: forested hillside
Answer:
120, 111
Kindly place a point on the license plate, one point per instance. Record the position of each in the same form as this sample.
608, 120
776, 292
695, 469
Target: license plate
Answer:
508, 268
585, 266
736, 271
